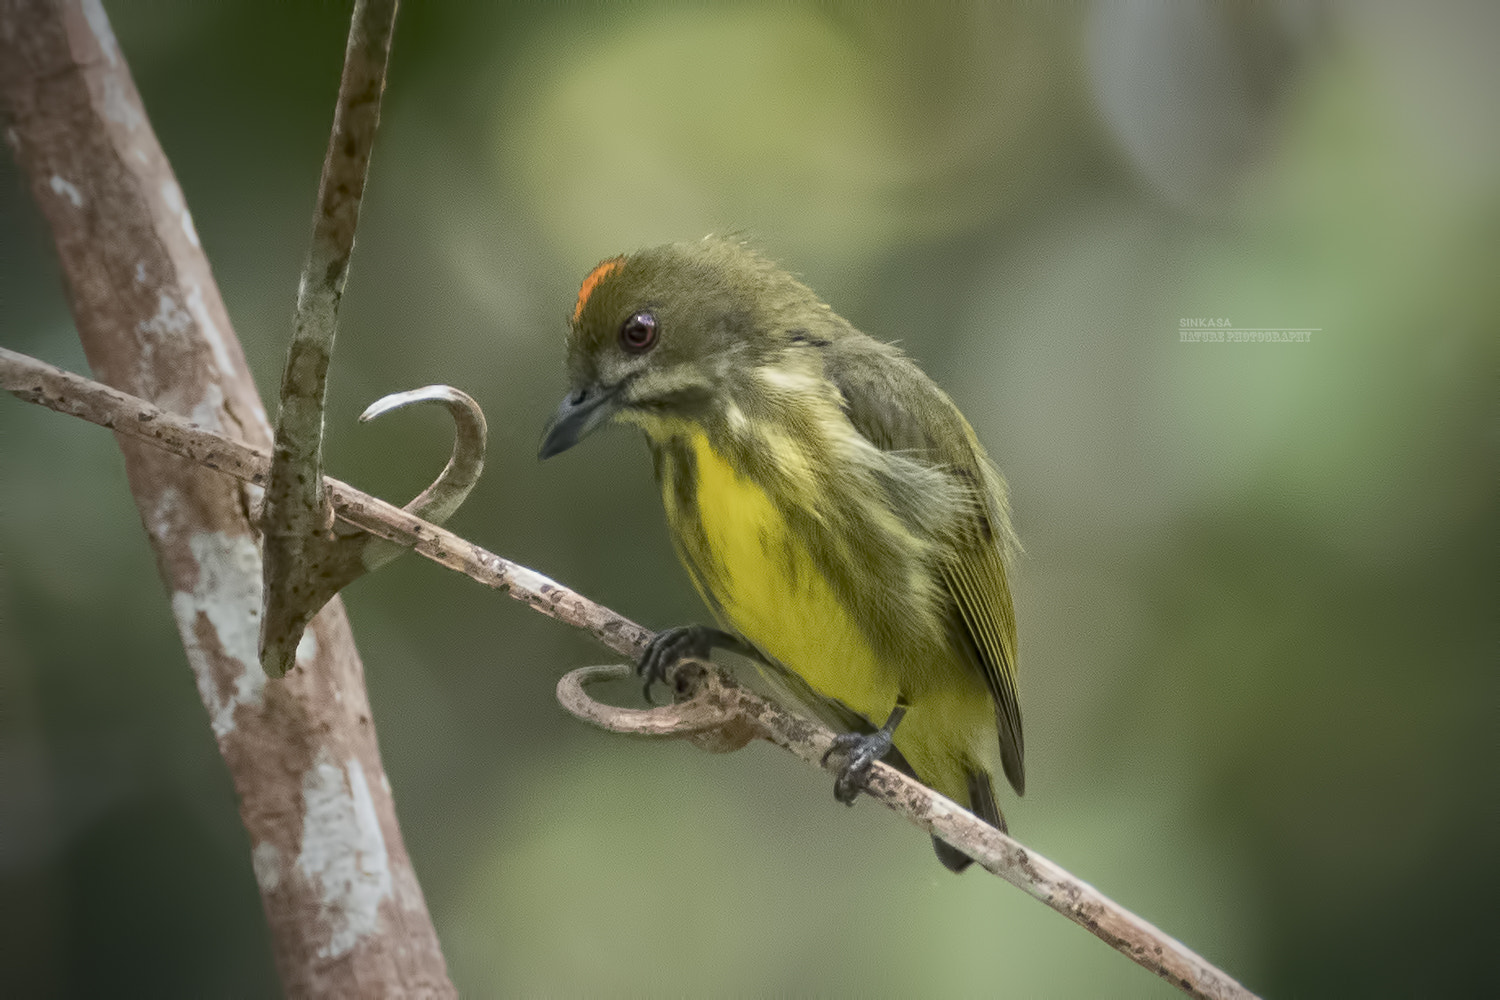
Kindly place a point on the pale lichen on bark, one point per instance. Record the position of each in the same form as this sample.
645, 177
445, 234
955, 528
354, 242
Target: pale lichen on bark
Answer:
217, 622
338, 813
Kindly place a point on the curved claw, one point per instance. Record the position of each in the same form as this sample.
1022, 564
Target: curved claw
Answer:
862, 750
662, 653
682, 642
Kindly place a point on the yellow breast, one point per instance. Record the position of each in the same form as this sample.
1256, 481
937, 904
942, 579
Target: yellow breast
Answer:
771, 591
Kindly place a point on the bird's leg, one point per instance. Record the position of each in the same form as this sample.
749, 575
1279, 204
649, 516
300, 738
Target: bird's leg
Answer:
685, 642
863, 750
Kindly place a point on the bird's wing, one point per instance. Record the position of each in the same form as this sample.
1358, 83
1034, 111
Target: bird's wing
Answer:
899, 409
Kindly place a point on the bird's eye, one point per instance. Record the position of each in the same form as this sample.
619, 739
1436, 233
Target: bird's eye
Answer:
639, 333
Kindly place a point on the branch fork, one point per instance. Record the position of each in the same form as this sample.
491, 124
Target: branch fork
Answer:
305, 564
337, 553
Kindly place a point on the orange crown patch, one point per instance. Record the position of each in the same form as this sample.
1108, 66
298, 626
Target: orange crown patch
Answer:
598, 274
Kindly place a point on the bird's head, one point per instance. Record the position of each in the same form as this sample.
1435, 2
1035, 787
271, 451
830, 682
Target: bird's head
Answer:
668, 334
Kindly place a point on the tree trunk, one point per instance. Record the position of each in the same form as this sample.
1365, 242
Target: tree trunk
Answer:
344, 906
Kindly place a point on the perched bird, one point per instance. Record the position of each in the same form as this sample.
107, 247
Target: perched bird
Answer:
831, 504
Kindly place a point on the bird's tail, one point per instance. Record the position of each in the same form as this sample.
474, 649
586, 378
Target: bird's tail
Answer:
982, 804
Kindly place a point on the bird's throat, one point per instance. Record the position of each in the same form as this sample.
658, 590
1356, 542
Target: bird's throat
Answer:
759, 575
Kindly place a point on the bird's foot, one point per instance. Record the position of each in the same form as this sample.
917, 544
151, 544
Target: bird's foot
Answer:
861, 751
671, 646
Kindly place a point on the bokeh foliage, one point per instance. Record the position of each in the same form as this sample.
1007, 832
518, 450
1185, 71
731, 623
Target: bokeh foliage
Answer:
1258, 605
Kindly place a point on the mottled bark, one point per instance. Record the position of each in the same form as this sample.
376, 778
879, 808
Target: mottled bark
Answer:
345, 910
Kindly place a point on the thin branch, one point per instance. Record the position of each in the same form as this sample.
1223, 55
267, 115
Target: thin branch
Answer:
38, 382
717, 713
301, 561
720, 715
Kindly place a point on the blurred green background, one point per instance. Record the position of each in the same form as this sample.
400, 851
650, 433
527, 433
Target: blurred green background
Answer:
1258, 605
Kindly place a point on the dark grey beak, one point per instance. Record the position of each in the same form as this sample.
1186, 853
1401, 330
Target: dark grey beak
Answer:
579, 415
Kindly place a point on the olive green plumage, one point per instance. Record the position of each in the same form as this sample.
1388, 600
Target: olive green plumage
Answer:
830, 502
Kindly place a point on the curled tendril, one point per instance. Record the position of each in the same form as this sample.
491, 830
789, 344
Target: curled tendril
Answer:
447, 493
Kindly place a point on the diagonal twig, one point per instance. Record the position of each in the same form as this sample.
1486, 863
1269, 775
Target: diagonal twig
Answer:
716, 713
38, 382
